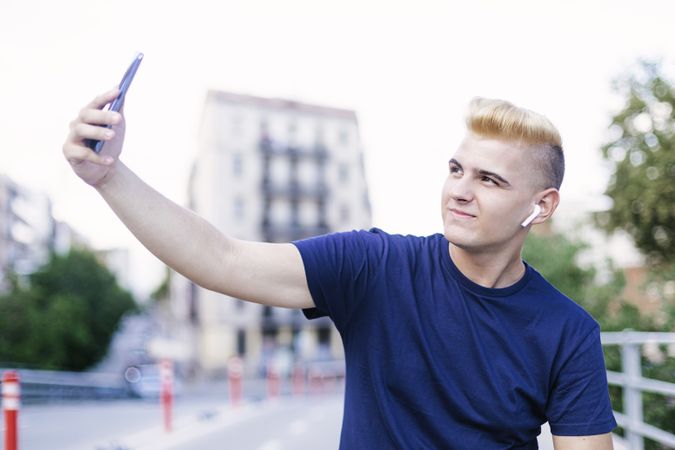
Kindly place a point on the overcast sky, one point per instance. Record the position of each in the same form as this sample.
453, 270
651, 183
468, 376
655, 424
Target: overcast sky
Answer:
407, 68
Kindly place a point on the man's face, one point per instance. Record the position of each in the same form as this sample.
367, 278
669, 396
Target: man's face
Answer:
489, 191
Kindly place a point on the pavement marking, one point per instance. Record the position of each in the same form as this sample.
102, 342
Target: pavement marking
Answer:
199, 424
185, 429
298, 427
273, 444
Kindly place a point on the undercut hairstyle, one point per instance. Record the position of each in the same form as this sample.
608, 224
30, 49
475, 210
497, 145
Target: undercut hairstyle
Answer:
499, 119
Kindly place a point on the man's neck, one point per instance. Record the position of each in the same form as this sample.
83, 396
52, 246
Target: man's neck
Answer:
488, 269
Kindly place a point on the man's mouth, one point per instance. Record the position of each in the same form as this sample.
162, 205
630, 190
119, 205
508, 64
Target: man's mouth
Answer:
458, 213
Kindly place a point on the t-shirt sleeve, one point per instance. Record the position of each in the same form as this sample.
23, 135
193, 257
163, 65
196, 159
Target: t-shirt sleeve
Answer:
339, 267
579, 402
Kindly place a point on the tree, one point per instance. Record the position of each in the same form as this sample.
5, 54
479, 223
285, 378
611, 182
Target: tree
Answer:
161, 292
66, 315
641, 152
555, 257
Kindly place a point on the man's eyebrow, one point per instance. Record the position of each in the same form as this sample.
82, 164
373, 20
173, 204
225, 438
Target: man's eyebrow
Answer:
482, 172
455, 162
494, 175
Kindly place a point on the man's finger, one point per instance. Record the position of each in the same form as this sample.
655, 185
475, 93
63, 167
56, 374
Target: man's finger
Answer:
99, 117
85, 131
101, 100
77, 154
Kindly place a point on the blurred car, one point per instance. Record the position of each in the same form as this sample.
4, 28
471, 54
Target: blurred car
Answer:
145, 381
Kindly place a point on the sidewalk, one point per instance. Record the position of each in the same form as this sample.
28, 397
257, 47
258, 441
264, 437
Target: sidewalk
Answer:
203, 409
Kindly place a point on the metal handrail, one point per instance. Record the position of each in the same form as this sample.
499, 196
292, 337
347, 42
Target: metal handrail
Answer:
45, 385
634, 384
636, 337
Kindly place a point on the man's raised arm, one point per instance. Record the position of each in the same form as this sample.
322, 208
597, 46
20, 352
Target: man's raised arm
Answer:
271, 274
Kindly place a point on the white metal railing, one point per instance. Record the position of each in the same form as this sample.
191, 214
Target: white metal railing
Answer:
48, 385
634, 384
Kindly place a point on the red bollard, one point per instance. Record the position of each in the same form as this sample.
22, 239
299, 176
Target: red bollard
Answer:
166, 376
315, 381
11, 400
298, 380
273, 381
235, 372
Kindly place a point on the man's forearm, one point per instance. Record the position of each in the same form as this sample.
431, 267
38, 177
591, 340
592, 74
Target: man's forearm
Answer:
177, 236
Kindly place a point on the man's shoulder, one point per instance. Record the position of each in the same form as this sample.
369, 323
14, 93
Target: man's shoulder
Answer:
378, 236
373, 242
558, 304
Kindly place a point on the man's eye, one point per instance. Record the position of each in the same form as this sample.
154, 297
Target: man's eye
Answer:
454, 169
490, 180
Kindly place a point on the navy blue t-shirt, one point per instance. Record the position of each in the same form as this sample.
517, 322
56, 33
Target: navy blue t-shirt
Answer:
435, 360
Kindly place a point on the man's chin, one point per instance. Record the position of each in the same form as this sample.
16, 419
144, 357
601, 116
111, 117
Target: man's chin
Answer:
457, 239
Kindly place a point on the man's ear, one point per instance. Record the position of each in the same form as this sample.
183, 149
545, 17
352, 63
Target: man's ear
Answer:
548, 202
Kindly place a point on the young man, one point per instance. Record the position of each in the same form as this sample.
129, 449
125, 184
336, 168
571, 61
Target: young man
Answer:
451, 340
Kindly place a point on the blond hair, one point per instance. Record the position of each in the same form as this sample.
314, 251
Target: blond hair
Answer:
502, 120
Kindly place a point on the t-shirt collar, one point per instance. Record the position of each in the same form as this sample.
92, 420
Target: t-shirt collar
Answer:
452, 269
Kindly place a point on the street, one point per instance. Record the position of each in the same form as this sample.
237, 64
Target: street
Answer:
202, 420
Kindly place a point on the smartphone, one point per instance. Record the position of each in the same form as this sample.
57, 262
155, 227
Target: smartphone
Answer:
116, 104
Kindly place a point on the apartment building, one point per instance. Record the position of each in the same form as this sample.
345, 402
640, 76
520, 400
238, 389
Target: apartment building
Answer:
270, 170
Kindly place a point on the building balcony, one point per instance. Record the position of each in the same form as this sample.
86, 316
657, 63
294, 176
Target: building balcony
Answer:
273, 232
294, 189
271, 319
269, 147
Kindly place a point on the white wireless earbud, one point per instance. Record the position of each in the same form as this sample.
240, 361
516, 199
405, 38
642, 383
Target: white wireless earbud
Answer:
531, 217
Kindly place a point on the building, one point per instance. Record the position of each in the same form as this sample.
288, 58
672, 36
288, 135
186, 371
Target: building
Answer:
27, 230
269, 170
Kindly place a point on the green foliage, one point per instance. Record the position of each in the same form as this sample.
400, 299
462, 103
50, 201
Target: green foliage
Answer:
642, 154
65, 317
555, 257
659, 409
161, 293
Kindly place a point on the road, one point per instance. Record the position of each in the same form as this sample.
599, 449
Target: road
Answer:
203, 422
302, 423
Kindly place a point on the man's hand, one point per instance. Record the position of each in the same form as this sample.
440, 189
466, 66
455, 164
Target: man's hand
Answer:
592, 442
92, 167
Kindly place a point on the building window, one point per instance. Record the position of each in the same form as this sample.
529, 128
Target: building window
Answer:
344, 213
193, 300
323, 335
309, 213
308, 172
237, 126
343, 172
366, 202
280, 211
319, 135
343, 136
241, 342
280, 170
292, 129
237, 165
238, 208
264, 127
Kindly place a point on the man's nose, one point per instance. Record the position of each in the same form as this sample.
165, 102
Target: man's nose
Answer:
461, 189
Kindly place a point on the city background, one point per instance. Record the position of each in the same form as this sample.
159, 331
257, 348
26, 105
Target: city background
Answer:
281, 120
